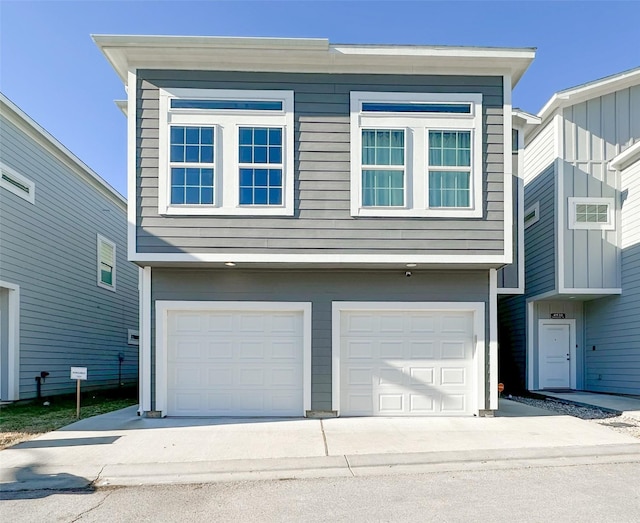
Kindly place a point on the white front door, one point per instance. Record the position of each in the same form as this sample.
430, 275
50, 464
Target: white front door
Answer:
555, 340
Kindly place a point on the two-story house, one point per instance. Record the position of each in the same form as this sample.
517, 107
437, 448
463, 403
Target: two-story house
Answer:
68, 295
577, 325
319, 225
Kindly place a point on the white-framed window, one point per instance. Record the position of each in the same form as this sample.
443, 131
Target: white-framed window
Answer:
17, 184
416, 154
591, 213
531, 215
106, 258
226, 152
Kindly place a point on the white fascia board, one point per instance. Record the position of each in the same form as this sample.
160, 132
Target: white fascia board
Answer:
47, 140
590, 90
314, 259
305, 55
626, 158
522, 118
131, 168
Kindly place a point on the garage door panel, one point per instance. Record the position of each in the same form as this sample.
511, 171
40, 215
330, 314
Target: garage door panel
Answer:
424, 368
234, 363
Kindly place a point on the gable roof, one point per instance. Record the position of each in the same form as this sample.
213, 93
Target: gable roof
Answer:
589, 90
314, 55
49, 142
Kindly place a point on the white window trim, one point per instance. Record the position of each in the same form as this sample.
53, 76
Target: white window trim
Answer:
226, 174
12, 173
416, 168
101, 239
535, 208
611, 213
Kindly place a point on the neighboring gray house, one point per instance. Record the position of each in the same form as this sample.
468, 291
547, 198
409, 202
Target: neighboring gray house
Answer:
577, 326
68, 295
319, 226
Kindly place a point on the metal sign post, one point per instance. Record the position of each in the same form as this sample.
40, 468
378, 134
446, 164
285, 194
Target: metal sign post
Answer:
79, 374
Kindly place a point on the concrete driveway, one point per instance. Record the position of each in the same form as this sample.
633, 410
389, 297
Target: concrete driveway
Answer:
121, 448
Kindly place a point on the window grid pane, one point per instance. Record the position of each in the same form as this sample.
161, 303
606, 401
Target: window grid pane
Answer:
450, 148
449, 189
592, 213
382, 188
191, 145
383, 147
260, 146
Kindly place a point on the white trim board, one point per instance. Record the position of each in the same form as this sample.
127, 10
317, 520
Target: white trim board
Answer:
145, 307
163, 307
478, 309
493, 339
13, 339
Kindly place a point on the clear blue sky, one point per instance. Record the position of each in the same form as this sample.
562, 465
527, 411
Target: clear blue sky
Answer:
50, 67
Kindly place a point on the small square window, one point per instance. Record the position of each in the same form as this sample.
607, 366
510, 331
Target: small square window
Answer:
591, 213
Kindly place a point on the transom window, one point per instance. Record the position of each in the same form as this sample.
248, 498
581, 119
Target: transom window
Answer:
591, 213
416, 154
227, 152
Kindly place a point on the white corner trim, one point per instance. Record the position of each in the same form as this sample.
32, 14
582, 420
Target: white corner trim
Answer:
145, 308
572, 347
416, 168
574, 201
493, 339
13, 338
529, 334
99, 241
27, 191
477, 308
508, 170
164, 306
590, 291
132, 196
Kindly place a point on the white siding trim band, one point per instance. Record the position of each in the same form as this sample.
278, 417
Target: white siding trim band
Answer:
13, 338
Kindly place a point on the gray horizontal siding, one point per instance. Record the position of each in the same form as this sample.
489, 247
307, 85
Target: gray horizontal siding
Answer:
612, 327
322, 170
512, 343
49, 250
540, 244
319, 288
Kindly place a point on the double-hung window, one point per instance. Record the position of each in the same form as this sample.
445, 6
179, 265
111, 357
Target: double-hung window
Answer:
226, 152
416, 154
106, 263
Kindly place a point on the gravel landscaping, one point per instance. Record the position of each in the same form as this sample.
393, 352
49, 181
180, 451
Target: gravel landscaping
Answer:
623, 424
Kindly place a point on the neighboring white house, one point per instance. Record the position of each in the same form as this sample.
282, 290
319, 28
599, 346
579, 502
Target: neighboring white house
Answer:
577, 325
68, 295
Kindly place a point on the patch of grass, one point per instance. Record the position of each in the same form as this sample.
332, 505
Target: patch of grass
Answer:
23, 421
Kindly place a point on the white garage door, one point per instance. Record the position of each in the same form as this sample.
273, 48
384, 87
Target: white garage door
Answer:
234, 363
406, 363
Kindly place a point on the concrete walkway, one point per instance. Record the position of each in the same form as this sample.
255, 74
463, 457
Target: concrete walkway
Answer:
121, 448
624, 405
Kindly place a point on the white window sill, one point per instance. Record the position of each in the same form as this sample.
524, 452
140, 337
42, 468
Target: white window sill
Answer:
108, 287
227, 211
385, 212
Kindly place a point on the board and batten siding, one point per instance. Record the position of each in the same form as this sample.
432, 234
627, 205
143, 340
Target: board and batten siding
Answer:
594, 133
321, 289
540, 240
49, 250
612, 326
322, 221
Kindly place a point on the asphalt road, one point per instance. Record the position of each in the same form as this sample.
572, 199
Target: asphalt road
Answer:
562, 494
